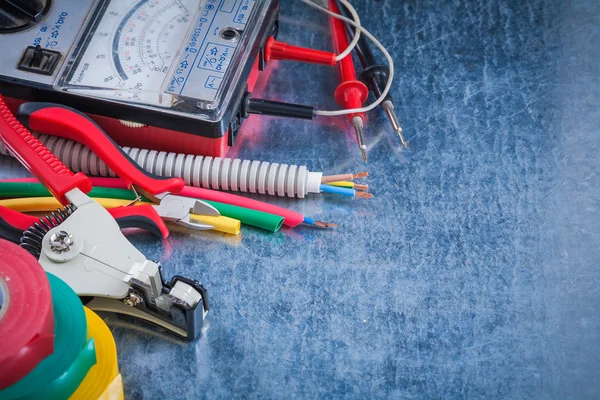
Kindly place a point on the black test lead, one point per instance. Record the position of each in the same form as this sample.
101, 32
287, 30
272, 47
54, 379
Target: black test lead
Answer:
375, 75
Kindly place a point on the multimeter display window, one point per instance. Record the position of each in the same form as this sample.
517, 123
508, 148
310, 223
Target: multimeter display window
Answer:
129, 50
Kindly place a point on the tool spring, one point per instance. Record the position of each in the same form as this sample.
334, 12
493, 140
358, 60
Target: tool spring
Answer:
33, 237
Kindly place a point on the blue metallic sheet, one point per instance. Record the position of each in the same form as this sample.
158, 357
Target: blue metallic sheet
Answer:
473, 273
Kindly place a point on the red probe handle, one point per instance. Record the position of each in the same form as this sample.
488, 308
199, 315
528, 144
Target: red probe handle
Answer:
65, 122
340, 43
275, 50
38, 159
351, 93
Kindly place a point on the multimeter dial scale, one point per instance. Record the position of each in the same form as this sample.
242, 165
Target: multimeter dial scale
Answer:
158, 74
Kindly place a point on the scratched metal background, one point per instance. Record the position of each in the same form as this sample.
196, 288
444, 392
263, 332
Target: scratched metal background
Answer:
473, 273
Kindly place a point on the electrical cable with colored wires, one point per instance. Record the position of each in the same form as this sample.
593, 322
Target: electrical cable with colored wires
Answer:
350, 185
48, 204
345, 191
290, 218
19, 190
343, 177
356, 24
227, 174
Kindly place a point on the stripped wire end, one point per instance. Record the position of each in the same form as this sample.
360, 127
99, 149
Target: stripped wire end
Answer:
364, 188
325, 225
137, 199
363, 195
319, 224
343, 177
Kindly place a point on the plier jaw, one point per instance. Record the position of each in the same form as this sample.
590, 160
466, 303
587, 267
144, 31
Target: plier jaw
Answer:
179, 210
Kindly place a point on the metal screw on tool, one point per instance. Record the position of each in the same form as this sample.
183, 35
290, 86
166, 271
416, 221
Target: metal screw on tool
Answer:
132, 299
61, 241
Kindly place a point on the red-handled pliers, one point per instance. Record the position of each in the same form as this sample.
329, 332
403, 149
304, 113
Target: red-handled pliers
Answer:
68, 123
60, 121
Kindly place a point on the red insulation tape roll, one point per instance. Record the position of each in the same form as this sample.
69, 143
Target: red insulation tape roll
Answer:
26, 314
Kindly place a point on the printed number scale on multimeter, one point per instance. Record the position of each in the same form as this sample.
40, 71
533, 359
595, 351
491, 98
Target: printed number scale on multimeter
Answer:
166, 74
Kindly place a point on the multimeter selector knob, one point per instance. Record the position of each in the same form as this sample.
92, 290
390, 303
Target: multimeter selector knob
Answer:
16, 15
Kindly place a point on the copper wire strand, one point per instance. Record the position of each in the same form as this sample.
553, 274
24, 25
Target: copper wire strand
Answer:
137, 197
363, 195
325, 225
364, 188
343, 177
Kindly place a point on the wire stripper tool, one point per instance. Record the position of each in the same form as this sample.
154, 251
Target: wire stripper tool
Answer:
85, 247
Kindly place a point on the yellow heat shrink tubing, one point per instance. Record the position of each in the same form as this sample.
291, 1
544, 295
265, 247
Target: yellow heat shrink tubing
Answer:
103, 381
49, 204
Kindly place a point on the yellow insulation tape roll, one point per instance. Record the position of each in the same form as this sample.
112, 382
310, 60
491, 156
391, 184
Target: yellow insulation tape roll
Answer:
103, 381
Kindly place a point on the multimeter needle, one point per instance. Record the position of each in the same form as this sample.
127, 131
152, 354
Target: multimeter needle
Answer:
388, 106
357, 123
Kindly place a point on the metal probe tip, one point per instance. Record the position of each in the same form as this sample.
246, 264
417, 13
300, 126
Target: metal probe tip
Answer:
388, 106
357, 123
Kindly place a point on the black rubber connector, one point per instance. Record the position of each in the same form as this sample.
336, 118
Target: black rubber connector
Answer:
276, 108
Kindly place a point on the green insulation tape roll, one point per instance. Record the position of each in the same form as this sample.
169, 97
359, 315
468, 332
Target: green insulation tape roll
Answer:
59, 375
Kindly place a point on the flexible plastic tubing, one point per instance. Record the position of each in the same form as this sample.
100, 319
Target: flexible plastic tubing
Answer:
290, 218
247, 216
207, 172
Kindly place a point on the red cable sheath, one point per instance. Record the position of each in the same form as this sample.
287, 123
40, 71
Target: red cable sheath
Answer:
290, 218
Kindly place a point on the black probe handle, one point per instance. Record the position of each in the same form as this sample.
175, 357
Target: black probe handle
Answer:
374, 75
277, 109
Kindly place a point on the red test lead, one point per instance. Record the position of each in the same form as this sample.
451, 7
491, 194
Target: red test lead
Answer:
275, 50
351, 93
